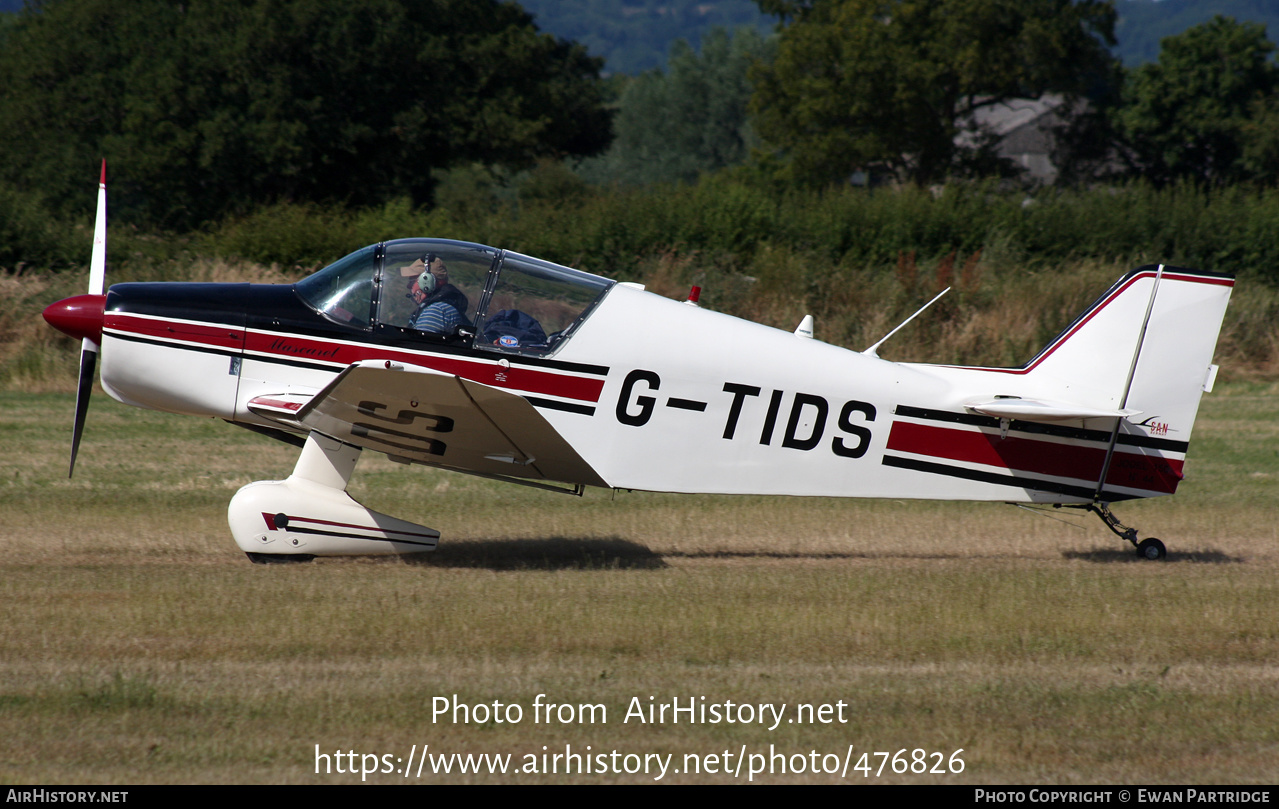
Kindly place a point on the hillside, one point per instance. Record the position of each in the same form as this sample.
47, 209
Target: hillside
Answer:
1143, 23
636, 35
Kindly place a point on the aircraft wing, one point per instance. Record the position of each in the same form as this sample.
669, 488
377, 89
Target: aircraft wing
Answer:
425, 416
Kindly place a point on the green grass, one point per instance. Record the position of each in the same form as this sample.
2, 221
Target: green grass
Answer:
140, 646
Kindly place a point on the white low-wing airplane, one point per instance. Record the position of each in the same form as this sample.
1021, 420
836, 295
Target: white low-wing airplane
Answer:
541, 374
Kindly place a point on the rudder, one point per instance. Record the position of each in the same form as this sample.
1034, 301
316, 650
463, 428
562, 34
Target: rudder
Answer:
1145, 346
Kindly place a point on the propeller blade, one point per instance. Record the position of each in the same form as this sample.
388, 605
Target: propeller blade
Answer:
88, 362
98, 262
89, 348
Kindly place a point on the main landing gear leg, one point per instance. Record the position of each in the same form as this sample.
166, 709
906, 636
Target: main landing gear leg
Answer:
1148, 548
310, 514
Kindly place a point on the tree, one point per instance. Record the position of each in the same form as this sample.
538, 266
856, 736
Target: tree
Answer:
1190, 115
692, 118
886, 85
1260, 137
212, 106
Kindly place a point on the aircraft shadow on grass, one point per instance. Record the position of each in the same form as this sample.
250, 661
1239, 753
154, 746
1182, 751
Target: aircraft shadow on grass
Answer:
550, 553
616, 553
611, 553
1109, 555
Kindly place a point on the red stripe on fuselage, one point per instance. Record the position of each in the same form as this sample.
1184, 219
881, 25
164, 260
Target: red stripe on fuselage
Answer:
340, 355
1127, 469
584, 389
209, 334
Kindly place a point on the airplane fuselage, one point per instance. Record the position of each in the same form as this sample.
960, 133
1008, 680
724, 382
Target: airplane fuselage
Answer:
653, 394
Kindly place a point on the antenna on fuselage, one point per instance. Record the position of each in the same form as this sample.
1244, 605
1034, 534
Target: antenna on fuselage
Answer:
871, 352
805, 328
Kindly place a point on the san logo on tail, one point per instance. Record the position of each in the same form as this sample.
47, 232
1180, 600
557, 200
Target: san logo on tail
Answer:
489, 362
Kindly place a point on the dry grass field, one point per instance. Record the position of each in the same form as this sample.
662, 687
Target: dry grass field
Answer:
139, 646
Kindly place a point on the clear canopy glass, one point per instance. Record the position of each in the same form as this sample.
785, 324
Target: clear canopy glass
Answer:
499, 300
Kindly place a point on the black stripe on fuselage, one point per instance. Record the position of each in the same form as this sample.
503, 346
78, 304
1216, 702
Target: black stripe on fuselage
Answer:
180, 346
567, 407
1014, 481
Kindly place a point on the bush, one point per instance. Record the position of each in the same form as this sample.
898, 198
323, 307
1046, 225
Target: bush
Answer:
29, 233
290, 234
728, 217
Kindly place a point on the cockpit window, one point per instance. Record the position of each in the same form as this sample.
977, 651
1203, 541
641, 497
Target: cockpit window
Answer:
343, 290
433, 286
439, 289
535, 305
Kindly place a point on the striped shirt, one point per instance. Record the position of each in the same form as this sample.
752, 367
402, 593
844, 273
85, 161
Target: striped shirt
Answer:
439, 318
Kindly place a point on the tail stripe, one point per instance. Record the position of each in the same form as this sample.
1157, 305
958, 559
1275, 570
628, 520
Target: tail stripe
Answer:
1152, 473
1015, 481
1054, 430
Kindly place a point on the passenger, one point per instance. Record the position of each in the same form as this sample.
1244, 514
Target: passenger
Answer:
441, 307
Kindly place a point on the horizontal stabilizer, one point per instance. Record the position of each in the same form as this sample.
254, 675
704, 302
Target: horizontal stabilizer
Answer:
1043, 410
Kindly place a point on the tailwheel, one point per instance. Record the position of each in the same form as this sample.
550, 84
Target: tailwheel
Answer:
1152, 549
1148, 548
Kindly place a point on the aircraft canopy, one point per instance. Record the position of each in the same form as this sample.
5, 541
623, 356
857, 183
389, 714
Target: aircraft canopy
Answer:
495, 299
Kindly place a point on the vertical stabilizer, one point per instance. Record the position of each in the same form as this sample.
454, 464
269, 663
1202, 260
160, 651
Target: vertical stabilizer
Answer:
1146, 345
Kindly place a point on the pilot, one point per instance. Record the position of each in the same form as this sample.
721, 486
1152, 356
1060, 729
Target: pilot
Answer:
440, 306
